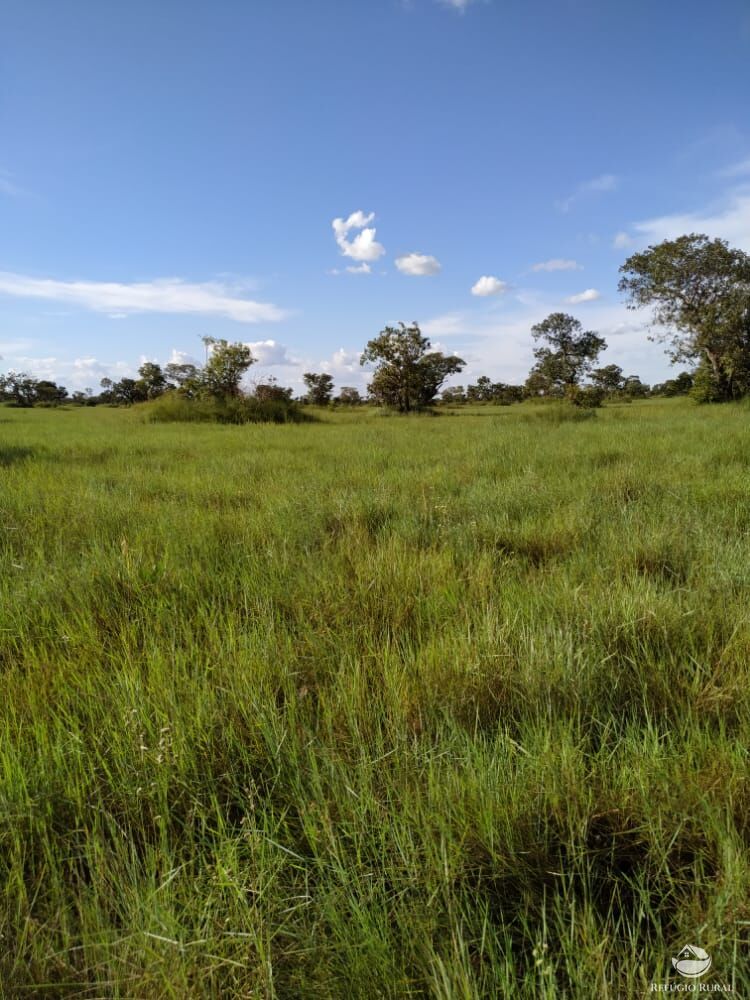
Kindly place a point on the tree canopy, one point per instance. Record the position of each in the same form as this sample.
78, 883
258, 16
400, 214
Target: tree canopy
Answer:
408, 374
699, 290
569, 354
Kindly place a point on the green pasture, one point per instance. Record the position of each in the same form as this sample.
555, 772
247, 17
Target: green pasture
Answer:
451, 706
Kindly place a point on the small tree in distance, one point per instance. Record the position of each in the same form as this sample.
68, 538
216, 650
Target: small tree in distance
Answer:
569, 354
226, 364
319, 388
349, 396
408, 375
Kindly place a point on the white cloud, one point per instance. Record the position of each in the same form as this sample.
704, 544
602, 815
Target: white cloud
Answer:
181, 358
417, 264
459, 5
488, 285
364, 246
80, 373
444, 326
270, 352
729, 220
163, 295
363, 268
589, 295
557, 264
621, 241
597, 185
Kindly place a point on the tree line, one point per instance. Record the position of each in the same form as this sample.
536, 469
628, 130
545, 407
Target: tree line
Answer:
697, 288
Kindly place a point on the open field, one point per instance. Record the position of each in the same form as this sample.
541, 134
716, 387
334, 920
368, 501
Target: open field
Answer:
448, 707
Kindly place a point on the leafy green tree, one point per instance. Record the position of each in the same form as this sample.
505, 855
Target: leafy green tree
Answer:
319, 388
408, 375
18, 388
126, 392
609, 379
226, 364
184, 378
699, 290
153, 379
271, 391
50, 393
634, 388
568, 356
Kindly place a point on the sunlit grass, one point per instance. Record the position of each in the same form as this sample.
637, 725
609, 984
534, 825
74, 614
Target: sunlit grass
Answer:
451, 707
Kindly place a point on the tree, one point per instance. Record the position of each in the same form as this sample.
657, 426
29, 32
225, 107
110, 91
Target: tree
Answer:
609, 379
18, 388
569, 355
319, 388
699, 290
634, 388
408, 375
224, 368
453, 394
183, 377
349, 396
153, 379
271, 391
50, 393
127, 391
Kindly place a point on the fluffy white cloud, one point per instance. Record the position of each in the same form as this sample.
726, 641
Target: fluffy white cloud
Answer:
81, 373
597, 185
363, 246
729, 220
621, 241
557, 264
488, 285
270, 352
363, 268
589, 295
417, 264
163, 295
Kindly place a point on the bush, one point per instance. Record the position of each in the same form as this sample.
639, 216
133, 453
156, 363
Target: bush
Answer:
172, 408
588, 397
705, 388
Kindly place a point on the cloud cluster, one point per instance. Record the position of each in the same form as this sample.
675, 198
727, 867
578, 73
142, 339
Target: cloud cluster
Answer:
417, 264
163, 295
589, 295
730, 220
488, 285
364, 246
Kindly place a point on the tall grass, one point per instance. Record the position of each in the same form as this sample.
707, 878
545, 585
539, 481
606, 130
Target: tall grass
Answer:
361, 708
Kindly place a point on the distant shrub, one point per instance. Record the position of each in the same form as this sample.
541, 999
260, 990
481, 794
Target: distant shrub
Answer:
589, 397
172, 408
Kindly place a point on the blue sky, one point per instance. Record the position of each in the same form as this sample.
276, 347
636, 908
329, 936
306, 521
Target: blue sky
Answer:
296, 175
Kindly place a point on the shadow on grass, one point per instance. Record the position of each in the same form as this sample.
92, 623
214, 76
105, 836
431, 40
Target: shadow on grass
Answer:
12, 453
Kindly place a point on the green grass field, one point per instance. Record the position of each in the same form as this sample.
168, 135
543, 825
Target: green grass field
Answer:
444, 707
